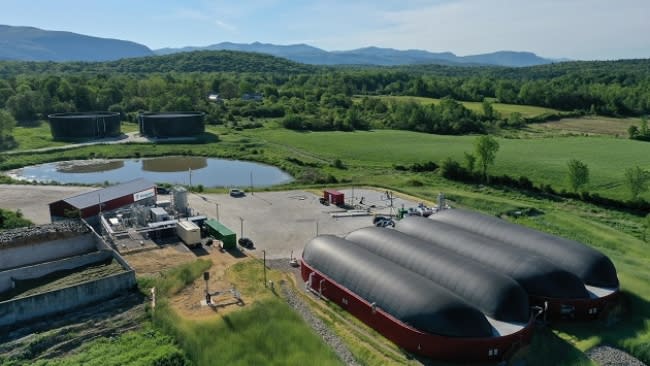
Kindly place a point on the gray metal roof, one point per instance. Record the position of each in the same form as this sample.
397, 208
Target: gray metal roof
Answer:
90, 199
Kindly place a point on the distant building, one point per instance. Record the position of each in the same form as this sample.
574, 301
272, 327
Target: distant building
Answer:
215, 98
253, 97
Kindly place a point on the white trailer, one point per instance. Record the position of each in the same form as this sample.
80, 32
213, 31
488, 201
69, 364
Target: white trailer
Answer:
189, 233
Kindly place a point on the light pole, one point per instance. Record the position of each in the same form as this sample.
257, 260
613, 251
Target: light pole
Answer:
252, 192
241, 227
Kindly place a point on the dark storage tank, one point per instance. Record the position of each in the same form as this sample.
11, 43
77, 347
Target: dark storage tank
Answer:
172, 124
593, 267
536, 275
410, 298
494, 293
84, 125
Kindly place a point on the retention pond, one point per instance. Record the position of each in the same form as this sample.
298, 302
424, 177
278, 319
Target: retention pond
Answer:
187, 170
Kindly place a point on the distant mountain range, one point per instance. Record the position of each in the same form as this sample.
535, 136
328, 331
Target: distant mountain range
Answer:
372, 55
33, 44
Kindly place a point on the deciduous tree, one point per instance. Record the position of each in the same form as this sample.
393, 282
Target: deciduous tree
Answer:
578, 174
636, 180
486, 148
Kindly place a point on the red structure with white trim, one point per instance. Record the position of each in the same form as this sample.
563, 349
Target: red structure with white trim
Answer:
457, 349
92, 203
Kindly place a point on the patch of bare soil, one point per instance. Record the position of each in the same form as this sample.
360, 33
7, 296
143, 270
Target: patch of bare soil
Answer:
158, 260
188, 302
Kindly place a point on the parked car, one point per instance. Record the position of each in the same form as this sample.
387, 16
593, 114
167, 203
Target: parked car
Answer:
162, 190
246, 243
382, 221
237, 193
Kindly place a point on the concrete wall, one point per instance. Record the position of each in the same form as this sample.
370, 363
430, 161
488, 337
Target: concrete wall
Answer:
46, 251
57, 301
43, 269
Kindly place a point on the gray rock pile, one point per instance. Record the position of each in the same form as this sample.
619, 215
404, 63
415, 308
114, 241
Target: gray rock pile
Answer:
35, 234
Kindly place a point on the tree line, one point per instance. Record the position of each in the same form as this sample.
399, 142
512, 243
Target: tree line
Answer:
322, 98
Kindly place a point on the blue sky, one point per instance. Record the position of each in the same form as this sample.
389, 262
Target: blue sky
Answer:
578, 29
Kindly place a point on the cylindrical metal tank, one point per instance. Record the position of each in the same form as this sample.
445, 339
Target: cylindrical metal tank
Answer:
171, 124
179, 195
84, 125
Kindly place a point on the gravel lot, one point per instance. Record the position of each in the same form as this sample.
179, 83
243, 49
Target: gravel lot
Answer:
33, 200
610, 356
281, 222
278, 222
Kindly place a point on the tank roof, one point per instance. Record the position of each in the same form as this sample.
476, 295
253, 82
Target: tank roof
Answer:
172, 114
80, 115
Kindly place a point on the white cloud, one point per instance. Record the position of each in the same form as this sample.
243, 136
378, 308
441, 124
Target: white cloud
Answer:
225, 26
573, 28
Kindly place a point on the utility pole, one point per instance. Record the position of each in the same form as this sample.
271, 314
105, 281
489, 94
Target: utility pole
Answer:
264, 264
190, 173
252, 192
217, 205
241, 227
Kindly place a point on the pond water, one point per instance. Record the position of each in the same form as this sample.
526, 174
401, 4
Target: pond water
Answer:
185, 170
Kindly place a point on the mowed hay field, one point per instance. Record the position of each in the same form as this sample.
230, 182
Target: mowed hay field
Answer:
592, 125
543, 160
503, 108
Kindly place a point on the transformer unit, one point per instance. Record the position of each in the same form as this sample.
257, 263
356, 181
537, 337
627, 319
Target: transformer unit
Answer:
189, 233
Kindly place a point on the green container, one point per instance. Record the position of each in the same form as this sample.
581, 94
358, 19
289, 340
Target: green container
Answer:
221, 232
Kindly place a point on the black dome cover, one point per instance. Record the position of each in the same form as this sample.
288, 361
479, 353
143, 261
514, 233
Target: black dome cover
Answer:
536, 275
593, 267
496, 294
407, 296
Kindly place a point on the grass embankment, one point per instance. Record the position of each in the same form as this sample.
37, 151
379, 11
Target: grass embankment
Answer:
145, 347
504, 109
267, 332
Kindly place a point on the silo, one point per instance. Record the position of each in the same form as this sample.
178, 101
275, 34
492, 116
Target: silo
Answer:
179, 194
171, 124
84, 125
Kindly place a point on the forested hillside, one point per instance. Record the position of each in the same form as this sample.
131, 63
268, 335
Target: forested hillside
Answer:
319, 98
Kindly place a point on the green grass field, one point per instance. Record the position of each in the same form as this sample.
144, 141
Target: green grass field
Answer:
504, 109
541, 160
35, 137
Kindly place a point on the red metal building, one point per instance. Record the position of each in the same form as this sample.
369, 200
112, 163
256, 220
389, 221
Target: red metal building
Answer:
106, 199
334, 197
437, 347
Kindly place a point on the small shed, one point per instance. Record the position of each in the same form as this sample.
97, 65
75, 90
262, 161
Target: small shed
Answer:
221, 232
334, 196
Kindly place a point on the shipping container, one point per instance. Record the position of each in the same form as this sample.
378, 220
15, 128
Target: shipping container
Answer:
219, 231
